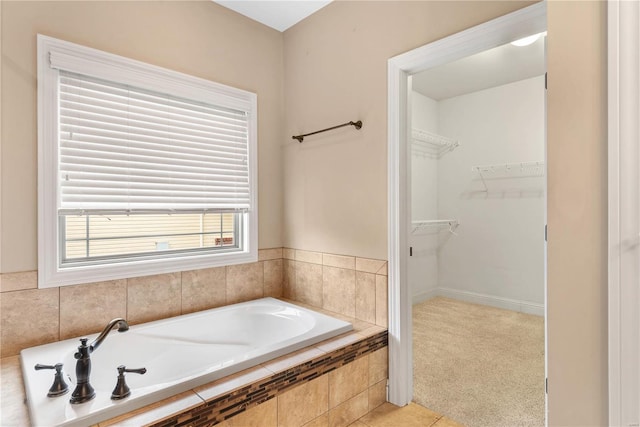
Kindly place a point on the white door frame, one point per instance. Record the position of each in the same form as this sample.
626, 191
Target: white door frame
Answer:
522, 23
624, 212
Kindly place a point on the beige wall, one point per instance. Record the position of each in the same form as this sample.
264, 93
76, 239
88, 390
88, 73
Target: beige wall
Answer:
577, 213
336, 71
335, 184
334, 65
194, 37
1, 137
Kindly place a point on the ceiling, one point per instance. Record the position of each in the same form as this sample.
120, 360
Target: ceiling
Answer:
495, 67
491, 68
276, 14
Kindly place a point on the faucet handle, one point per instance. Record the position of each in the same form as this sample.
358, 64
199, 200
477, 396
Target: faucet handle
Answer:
122, 389
122, 369
59, 386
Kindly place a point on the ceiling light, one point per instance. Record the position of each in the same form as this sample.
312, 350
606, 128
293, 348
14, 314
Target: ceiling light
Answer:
526, 41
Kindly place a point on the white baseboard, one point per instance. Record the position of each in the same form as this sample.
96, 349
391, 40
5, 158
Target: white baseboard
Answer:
476, 298
423, 296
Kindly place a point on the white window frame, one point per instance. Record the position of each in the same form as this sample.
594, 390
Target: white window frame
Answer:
112, 67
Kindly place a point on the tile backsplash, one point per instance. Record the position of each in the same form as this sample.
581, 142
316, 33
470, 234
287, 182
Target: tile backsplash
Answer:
29, 316
352, 286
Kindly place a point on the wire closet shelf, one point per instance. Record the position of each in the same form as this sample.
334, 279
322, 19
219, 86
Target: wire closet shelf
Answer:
431, 144
509, 170
420, 226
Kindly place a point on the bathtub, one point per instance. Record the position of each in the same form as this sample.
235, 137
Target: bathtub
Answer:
179, 353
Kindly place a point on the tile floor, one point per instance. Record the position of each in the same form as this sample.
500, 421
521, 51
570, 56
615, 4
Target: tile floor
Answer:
412, 415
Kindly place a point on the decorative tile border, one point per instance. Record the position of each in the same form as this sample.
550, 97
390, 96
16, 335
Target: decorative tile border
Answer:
237, 401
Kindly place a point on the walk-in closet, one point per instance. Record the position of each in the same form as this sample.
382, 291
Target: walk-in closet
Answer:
477, 251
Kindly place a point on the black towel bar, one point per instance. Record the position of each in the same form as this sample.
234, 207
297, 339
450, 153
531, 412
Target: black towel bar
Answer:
357, 125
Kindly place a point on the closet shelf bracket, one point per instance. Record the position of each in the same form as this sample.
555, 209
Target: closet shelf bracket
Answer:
417, 226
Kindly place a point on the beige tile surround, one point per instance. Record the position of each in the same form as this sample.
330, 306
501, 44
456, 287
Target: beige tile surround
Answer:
335, 399
351, 286
32, 316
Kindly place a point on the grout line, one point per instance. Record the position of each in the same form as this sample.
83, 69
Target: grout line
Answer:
126, 299
181, 296
436, 421
328, 393
277, 410
59, 315
226, 299
322, 288
264, 278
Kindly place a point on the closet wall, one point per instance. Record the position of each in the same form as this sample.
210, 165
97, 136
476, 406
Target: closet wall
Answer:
497, 256
423, 265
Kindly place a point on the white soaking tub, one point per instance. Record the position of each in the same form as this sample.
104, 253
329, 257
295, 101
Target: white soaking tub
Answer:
179, 353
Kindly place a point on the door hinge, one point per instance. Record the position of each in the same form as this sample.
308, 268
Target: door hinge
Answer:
546, 385
410, 250
545, 80
545, 232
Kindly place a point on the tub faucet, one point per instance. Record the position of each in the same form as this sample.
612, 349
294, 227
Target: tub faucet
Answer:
84, 391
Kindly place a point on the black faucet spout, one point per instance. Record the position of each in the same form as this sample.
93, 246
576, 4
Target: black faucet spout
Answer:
122, 324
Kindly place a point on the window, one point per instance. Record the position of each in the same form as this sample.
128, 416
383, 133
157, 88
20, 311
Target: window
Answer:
142, 170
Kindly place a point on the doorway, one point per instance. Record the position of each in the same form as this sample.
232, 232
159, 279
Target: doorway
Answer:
476, 259
501, 31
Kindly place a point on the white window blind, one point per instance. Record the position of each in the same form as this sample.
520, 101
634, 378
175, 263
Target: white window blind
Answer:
127, 148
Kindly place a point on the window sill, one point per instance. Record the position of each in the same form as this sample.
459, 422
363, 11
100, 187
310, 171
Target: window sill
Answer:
55, 277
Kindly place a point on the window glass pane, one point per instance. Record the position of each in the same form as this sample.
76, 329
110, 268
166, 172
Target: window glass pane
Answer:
88, 237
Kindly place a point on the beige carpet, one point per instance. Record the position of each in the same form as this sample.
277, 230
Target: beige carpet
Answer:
478, 365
